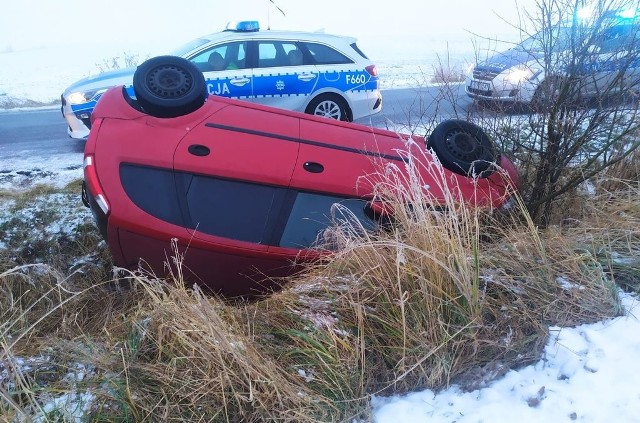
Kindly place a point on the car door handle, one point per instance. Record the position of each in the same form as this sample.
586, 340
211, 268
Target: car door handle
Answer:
199, 150
239, 82
313, 167
306, 76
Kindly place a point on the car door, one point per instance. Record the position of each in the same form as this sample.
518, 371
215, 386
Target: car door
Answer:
233, 170
336, 71
615, 60
332, 182
226, 70
282, 74
341, 159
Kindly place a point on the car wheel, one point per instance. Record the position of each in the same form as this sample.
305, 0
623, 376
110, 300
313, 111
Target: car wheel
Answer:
169, 86
463, 147
547, 94
331, 106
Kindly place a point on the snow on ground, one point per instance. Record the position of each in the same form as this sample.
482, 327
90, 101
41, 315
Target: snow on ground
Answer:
19, 173
587, 374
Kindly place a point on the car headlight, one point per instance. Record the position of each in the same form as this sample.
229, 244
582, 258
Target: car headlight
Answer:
519, 75
470, 68
80, 97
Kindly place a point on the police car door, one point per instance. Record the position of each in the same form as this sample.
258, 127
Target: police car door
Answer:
280, 77
616, 58
226, 70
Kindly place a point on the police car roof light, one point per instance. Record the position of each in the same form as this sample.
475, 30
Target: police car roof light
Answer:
243, 26
628, 13
585, 12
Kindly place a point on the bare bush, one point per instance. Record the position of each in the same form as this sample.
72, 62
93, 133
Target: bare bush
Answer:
126, 60
582, 118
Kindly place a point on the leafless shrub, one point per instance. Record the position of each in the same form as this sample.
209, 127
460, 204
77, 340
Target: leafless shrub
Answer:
126, 60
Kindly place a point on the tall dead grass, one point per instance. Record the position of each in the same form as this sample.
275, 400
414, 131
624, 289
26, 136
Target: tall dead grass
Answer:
444, 293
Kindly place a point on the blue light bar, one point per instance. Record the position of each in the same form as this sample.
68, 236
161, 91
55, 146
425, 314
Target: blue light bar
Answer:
628, 13
243, 26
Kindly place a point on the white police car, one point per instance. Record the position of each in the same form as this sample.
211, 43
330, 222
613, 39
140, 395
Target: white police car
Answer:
316, 73
597, 60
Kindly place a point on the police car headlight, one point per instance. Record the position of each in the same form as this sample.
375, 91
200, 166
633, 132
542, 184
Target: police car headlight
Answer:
80, 97
469, 69
518, 75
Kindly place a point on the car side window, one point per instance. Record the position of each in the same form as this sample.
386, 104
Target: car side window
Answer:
312, 214
279, 53
616, 38
230, 209
325, 55
227, 56
153, 190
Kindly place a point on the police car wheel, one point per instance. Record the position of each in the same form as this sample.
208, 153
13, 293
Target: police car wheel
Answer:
547, 94
463, 148
169, 86
331, 106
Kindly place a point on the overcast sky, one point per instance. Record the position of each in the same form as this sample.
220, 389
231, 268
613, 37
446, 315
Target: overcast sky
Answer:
376, 23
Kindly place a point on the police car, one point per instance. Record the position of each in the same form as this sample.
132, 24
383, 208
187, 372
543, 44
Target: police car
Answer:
598, 56
315, 73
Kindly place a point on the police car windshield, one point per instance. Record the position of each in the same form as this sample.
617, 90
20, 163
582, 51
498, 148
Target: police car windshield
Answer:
187, 47
555, 39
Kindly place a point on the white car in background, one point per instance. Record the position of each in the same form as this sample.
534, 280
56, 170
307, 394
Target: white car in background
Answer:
315, 73
606, 60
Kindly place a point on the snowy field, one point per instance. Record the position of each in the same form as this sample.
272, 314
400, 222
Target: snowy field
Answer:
587, 374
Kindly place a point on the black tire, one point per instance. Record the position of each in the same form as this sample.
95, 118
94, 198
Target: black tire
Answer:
547, 94
330, 105
464, 148
169, 86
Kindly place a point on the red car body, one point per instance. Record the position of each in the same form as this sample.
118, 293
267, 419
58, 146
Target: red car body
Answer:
208, 178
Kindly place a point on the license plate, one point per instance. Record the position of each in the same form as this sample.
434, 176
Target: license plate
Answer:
482, 86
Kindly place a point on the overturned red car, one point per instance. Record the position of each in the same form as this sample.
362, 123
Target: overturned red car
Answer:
244, 189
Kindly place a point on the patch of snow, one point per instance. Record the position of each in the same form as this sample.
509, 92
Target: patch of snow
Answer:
587, 374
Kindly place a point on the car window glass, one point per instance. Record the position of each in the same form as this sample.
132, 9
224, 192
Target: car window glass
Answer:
312, 214
230, 209
279, 53
357, 49
614, 39
227, 56
553, 39
153, 190
325, 55
187, 47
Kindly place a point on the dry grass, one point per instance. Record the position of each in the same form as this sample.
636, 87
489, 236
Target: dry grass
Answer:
445, 293
447, 75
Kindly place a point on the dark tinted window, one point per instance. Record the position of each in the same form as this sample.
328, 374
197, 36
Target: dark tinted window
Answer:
279, 53
617, 39
227, 56
357, 49
230, 209
153, 190
311, 214
325, 55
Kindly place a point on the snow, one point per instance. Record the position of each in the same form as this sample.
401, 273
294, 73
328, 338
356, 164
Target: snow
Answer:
587, 374
22, 172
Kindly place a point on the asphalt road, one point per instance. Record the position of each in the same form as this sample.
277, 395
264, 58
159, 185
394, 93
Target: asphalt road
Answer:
40, 132
43, 132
